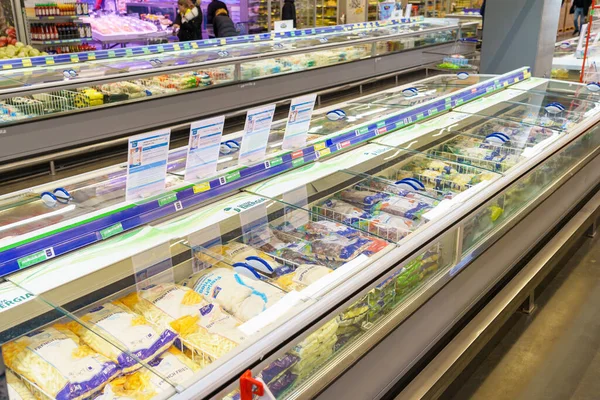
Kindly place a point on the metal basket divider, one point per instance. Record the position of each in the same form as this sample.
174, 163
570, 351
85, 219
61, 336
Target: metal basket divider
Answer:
197, 355
31, 108
55, 101
73, 96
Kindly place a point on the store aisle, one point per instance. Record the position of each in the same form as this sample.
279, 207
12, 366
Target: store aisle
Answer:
553, 354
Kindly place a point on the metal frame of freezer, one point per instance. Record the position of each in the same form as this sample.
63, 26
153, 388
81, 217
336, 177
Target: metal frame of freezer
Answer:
36, 135
382, 356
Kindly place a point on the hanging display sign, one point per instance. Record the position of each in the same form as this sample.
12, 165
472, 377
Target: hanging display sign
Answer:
147, 164
256, 134
298, 123
203, 148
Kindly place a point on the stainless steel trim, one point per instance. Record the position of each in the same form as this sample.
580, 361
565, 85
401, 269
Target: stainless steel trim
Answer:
438, 374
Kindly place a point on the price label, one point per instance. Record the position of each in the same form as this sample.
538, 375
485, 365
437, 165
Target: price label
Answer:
49, 61
222, 42
74, 58
111, 53
129, 52
91, 56
27, 62
176, 46
201, 187
146, 50
194, 45
160, 48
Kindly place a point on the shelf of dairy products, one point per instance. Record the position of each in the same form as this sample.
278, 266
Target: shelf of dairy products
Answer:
39, 95
183, 306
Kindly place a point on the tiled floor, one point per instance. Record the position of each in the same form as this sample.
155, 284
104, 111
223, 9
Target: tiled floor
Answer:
553, 354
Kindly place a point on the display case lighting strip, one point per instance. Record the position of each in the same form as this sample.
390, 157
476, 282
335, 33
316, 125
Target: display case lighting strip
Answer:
42, 61
65, 239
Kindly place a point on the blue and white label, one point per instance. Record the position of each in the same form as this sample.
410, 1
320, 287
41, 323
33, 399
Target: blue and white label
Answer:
462, 75
203, 148
256, 134
593, 87
298, 123
147, 164
554, 108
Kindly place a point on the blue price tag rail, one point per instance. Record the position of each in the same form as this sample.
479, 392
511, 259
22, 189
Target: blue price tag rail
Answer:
22, 255
17, 63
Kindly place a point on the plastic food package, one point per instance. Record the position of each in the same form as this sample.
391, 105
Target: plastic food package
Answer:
302, 276
391, 227
283, 382
16, 388
54, 359
278, 367
363, 197
306, 348
129, 331
404, 207
239, 295
343, 212
173, 365
339, 248
202, 324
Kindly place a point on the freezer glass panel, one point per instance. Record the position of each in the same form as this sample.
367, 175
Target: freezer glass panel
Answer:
393, 45
403, 98
50, 353
291, 373
565, 89
547, 110
511, 201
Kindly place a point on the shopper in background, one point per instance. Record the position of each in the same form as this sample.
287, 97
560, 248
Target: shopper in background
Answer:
223, 26
288, 11
580, 8
212, 8
188, 21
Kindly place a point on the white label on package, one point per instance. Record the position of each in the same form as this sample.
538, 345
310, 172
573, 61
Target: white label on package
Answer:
295, 213
147, 164
203, 148
408, 10
272, 314
256, 134
296, 130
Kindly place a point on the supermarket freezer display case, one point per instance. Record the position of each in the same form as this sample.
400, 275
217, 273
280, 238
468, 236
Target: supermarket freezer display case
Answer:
297, 276
47, 108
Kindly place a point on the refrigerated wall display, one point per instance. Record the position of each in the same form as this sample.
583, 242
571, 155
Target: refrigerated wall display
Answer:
184, 288
300, 60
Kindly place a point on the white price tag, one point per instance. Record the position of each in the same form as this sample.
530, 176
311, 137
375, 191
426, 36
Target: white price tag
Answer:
147, 164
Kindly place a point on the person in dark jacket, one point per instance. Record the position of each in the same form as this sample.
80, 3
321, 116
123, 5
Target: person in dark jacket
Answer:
580, 8
289, 11
188, 21
223, 26
212, 8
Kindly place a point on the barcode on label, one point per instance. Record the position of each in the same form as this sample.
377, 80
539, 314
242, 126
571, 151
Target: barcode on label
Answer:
222, 180
178, 206
267, 164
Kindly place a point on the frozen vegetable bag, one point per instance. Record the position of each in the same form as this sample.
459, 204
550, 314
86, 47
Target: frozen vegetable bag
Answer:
56, 361
132, 332
204, 325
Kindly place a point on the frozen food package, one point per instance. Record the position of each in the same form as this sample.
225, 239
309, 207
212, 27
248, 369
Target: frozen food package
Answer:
58, 363
174, 366
278, 367
239, 295
343, 211
205, 326
318, 355
362, 197
283, 382
309, 346
399, 190
115, 323
239, 252
391, 227
404, 207
302, 276
318, 229
339, 248
16, 388
354, 315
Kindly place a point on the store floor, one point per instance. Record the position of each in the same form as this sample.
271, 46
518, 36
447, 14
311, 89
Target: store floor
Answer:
553, 354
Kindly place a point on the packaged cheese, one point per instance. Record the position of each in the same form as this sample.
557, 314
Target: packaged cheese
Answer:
239, 295
144, 384
130, 333
203, 325
16, 388
302, 276
54, 359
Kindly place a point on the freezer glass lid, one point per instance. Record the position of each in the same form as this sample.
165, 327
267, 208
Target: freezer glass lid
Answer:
569, 90
408, 96
547, 110
37, 75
